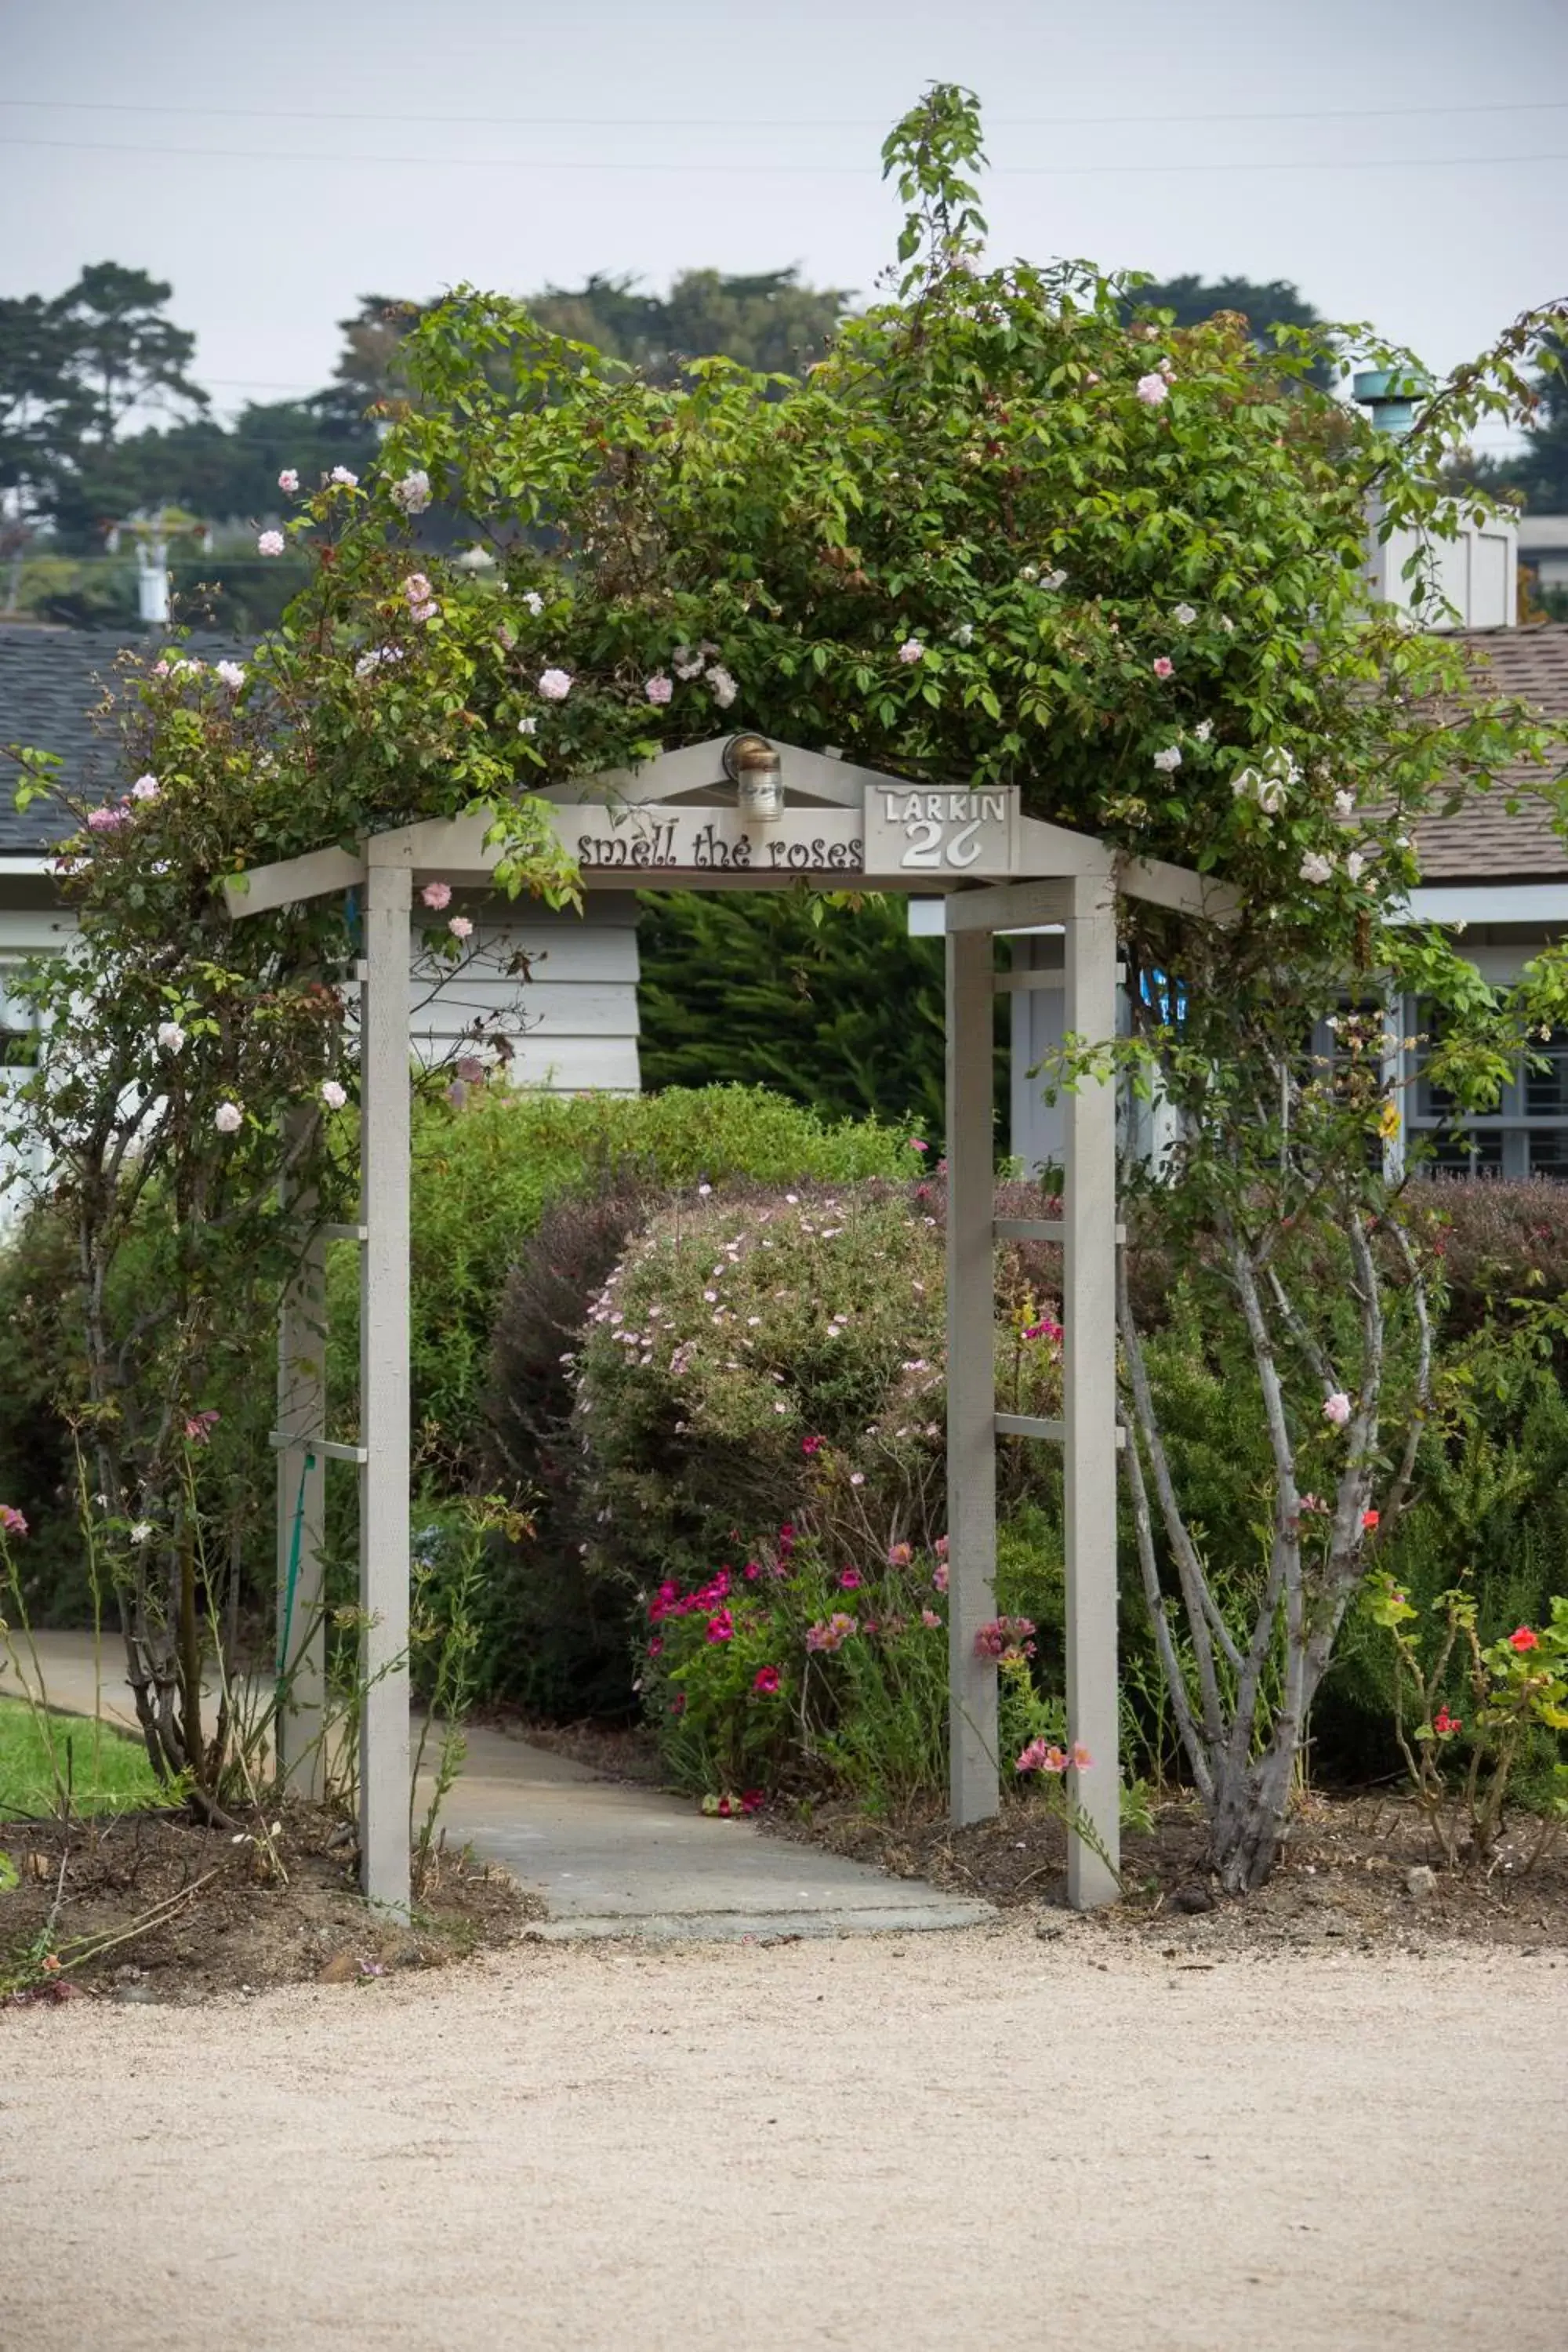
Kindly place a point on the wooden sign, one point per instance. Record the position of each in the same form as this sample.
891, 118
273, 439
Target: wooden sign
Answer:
934, 834
640, 846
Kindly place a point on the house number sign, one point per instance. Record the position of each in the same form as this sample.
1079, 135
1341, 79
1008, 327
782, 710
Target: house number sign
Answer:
920, 830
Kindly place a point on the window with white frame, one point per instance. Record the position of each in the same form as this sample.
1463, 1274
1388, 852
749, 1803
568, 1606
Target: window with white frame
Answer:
1526, 1135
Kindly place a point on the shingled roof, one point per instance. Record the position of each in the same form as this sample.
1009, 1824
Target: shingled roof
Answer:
52, 680
1484, 842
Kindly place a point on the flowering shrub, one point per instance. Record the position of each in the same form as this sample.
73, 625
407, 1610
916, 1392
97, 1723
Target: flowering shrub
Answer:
1461, 1764
747, 1362
763, 1676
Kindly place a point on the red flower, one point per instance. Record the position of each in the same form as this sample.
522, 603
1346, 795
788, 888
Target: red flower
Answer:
1524, 1639
1444, 1724
765, 1681
655, 1647
721, 1627
811, 1446
752, 1800
1369, 1520
677, 1704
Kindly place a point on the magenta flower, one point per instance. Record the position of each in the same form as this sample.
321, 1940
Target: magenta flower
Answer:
916, 1145
939, 1576
849, 1580
812, 1444
721, 1627
765, 1681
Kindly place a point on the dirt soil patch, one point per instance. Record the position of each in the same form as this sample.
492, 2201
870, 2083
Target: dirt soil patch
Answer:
153, 1908
1357, 1871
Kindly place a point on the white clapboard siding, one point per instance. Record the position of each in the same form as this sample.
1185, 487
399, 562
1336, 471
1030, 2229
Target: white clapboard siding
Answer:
572, 1024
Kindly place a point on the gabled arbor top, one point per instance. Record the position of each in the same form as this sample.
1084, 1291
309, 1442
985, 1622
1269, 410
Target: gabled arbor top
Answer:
675, 823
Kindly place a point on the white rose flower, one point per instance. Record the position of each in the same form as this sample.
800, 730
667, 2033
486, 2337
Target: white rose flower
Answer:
1315, 867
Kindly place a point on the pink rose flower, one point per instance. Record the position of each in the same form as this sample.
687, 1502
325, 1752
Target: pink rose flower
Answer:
1164, 667
436, 896
288, 481
659, 689
270, 543
1153, 390
1337, 1409
460, 927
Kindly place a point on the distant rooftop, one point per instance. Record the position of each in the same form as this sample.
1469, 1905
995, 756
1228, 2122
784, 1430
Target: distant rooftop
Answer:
52, 681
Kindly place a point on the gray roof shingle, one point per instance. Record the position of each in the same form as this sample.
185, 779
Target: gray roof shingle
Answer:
1483, 842
52, 680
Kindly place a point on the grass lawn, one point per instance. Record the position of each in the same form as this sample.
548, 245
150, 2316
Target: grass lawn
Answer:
107, 1772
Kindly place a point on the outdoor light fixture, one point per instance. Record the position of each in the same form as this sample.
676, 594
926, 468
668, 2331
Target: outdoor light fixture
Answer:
756, 772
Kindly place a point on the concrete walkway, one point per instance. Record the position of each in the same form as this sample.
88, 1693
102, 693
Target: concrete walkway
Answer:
608, 1860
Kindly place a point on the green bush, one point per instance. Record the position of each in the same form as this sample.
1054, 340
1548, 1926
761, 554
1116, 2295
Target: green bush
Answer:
481, 1176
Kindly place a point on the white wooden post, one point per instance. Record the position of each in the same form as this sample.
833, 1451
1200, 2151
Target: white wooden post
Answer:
384, 1759
300, 1725
1089, 1382
970, 1377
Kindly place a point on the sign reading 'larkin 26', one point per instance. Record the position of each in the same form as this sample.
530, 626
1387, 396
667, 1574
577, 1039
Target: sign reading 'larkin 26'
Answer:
918, 836
922, 830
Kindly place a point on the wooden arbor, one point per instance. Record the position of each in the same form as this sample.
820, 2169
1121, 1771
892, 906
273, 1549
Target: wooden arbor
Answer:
677, 821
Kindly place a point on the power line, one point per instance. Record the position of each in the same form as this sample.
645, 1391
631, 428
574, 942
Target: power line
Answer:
787, 123
811, 170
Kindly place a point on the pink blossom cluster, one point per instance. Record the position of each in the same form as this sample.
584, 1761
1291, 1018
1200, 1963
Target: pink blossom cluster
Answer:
1043, 1756
420, 598
833, 1634
12, 1521
1003, 1633
200, 1426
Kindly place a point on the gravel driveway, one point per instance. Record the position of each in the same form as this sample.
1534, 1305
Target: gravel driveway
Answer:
978, 2140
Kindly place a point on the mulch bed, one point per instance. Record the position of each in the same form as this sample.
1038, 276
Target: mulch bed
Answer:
197, 1912
1357, 1872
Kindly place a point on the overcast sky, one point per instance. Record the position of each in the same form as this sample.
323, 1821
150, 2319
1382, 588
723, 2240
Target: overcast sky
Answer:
1408, 166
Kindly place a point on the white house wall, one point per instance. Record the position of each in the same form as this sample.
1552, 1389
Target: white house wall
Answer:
578, 1011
